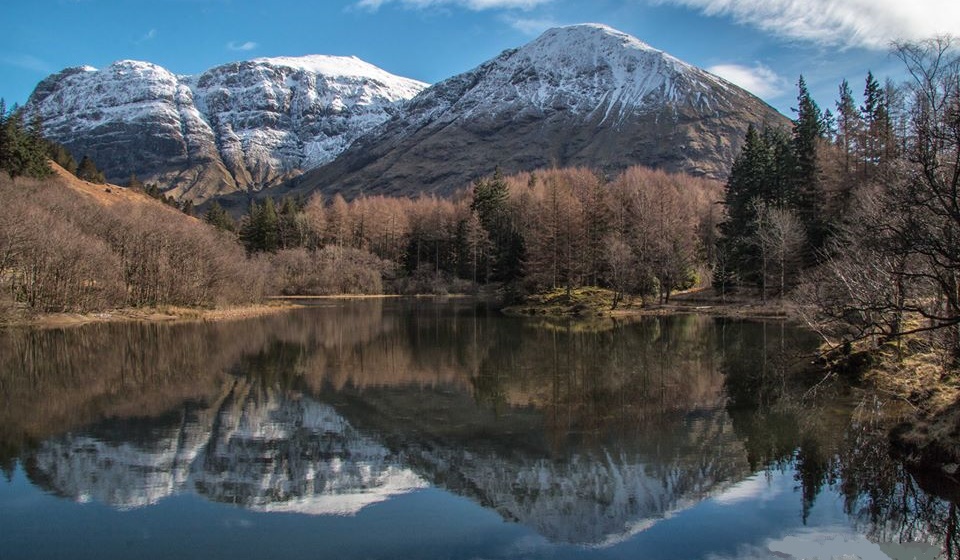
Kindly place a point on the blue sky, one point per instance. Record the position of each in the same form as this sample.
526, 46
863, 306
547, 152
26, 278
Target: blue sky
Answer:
761, 44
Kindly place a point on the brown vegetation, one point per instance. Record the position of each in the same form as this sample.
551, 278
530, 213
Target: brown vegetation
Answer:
70, 246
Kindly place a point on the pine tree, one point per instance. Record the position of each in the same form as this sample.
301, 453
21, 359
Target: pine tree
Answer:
746, 185
290, 231
878, 127
87, 170
269, 226
251, 233
218, 217
809, 199
61, 156
135, 183
490, 204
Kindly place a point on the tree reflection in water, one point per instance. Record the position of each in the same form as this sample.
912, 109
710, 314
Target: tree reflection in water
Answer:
451, 395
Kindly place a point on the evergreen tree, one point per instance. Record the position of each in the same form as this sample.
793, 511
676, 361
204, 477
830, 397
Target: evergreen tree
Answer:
4, 141
290, 230
23, 150
746, 185
249, 229
809, 199
61, 156
491, 206
87, 170
218, 217
878, 128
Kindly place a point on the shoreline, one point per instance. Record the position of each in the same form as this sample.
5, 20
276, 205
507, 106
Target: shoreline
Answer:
163, 314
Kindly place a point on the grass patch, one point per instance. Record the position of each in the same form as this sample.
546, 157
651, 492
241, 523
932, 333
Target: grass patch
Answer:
560, 302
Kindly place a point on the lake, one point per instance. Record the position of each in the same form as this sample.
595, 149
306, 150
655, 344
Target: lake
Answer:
440, 429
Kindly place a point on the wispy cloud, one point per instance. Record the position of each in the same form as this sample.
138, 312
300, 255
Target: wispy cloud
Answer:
148, 36
244, 46
757, 79
475, 5
530, 26
26, 62
872, 24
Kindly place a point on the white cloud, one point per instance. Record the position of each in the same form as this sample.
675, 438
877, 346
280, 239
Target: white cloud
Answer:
530, 26
841, 23
475, 5
238, 46
757, 79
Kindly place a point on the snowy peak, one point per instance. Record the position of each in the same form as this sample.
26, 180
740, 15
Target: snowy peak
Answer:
239, 126
584, 95
349, 67
603, 67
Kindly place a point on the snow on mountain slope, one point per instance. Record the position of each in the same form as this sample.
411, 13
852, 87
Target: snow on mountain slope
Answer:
264, 452
239, 126
580, 95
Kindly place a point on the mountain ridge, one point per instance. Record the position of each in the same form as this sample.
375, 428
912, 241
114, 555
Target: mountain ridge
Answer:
583, 95
239, 126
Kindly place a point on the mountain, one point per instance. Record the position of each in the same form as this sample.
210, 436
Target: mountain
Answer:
240, 126
581, 95
269, 451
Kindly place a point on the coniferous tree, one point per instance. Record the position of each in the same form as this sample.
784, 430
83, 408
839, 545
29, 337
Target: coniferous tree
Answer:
270, 227
23, 150
491, 205
135, 183
251, 234
746, 185
4, 140
87, 170
61, 156
219, 218
809, 199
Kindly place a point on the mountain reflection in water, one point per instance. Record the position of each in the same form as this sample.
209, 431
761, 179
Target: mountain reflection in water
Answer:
587, 434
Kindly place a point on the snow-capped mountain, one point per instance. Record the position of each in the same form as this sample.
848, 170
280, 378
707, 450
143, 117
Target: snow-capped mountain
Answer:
275, 451
240, 126
262, 451
580, 95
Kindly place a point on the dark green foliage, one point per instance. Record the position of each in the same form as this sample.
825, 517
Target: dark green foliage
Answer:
61, 156
490, 204
810, 201
761, 174
23, 150
259, 230
87, 170
219, 218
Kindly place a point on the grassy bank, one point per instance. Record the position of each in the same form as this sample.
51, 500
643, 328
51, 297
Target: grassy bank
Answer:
594, 302
148, 314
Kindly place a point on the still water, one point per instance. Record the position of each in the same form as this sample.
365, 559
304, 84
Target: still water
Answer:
436, 429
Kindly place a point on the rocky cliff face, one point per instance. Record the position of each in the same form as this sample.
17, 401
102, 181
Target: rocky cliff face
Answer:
241, 126
581, 95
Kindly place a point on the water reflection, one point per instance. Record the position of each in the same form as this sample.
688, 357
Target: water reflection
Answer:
587, 434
